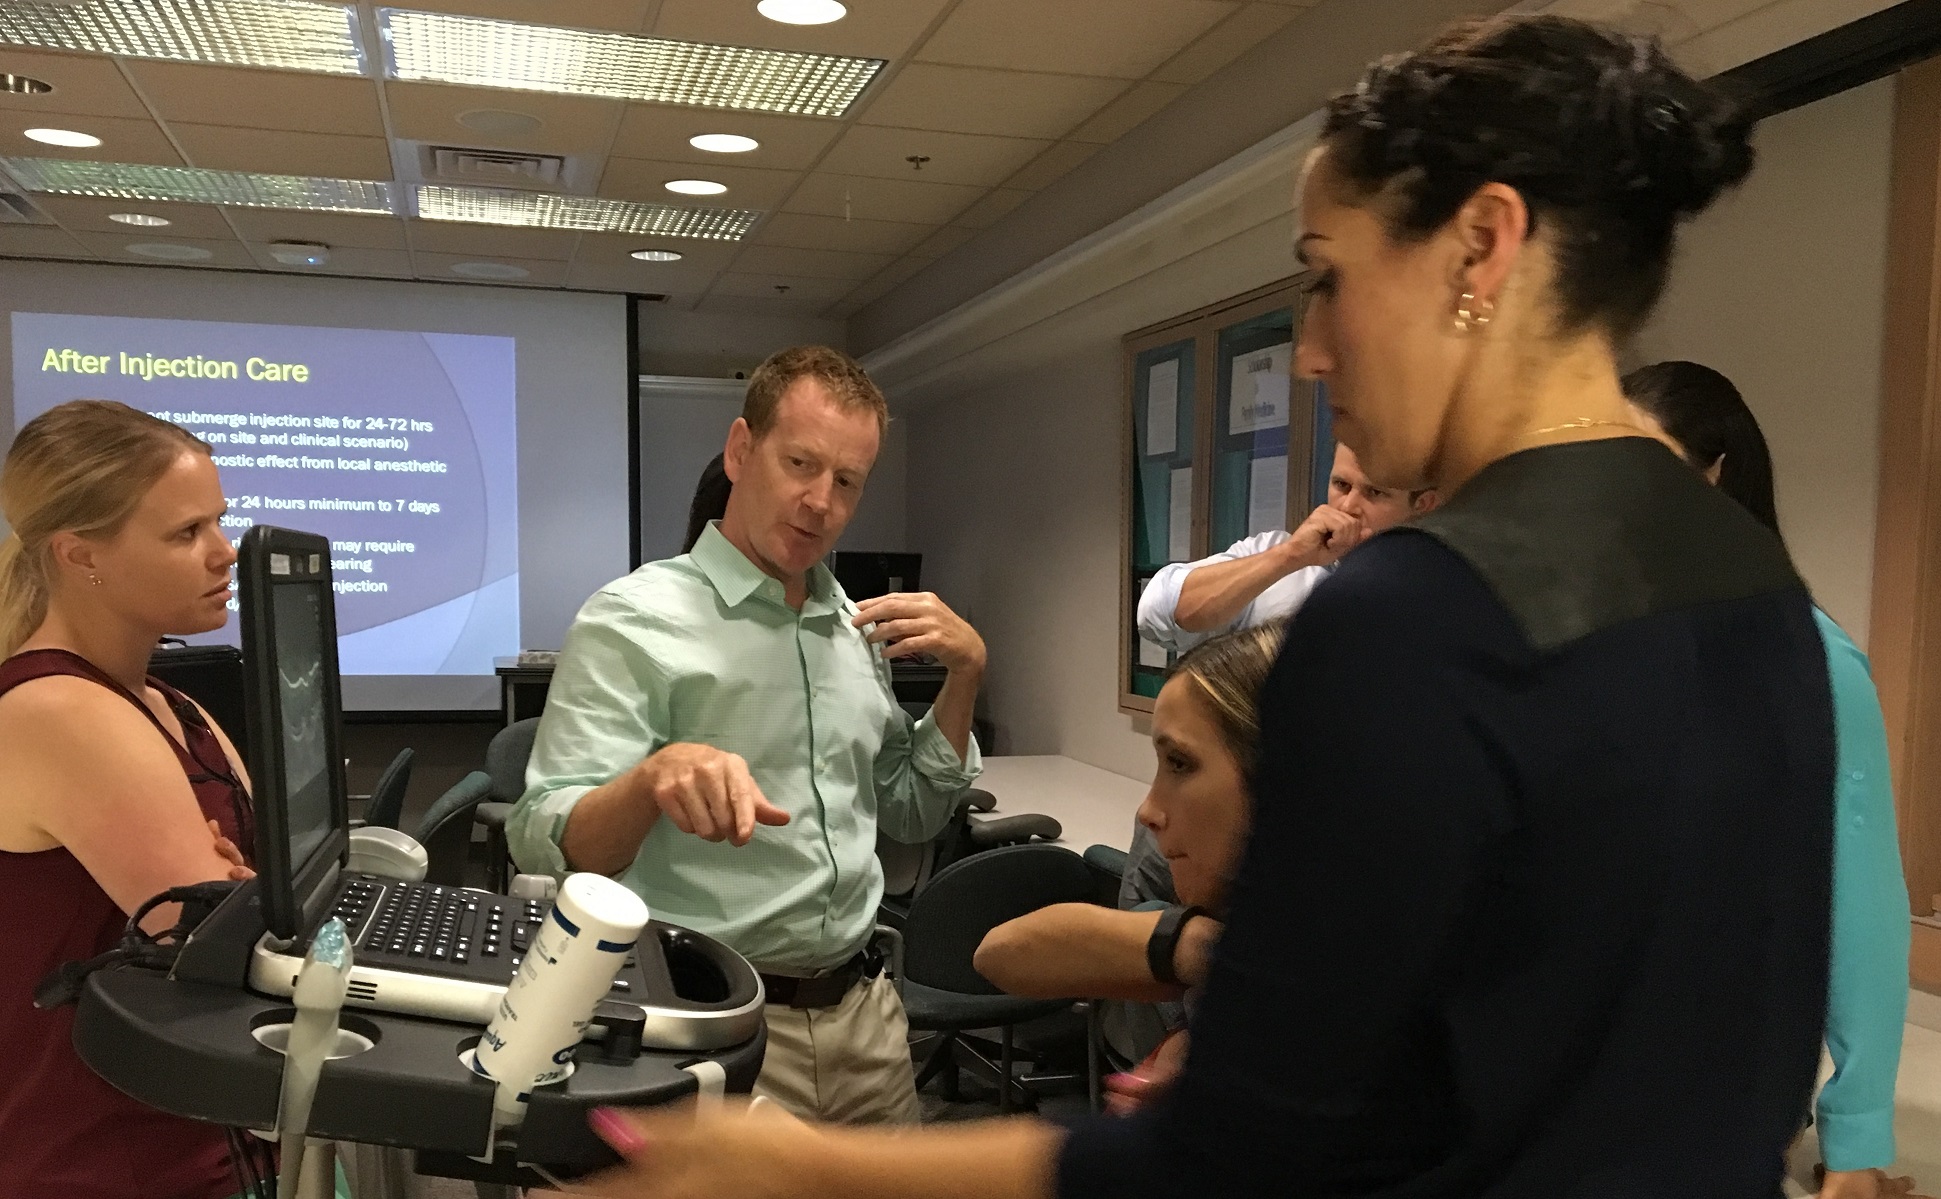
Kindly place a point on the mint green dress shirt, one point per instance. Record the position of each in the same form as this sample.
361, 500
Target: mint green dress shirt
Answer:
703, 648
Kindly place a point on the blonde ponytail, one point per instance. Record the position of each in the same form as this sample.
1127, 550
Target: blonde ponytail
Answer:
79, 467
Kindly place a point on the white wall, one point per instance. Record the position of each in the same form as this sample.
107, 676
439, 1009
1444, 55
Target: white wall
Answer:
1781, 286
1014, 419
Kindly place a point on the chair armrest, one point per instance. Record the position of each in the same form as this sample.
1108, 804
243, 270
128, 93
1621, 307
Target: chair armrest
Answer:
470, 791
1013, 830
492, 813
978, 800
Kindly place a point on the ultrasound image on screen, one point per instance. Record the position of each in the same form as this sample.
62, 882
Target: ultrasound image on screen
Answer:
300, 688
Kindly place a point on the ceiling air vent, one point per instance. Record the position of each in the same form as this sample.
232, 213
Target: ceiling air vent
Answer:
494, 168
15, 210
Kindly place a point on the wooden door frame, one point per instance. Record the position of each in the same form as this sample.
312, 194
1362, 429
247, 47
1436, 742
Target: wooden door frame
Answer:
1904, 644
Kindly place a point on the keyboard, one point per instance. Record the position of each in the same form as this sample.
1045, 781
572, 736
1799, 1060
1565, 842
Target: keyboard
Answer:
426, 928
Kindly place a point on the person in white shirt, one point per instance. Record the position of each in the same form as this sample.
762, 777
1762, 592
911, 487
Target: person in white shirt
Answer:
1268, 575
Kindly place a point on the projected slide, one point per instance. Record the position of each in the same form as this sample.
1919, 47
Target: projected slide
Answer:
399, 447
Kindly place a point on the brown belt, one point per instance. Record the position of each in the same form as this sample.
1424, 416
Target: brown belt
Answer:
824, 990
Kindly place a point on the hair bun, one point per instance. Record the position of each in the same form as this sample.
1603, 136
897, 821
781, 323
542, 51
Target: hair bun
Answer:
1678, 140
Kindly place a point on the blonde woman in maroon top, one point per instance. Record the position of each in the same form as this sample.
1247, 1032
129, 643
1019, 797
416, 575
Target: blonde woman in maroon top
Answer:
116, 787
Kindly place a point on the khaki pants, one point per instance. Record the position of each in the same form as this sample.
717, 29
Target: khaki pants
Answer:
848, 1064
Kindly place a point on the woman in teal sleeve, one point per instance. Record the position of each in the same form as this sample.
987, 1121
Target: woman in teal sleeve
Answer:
1701, 414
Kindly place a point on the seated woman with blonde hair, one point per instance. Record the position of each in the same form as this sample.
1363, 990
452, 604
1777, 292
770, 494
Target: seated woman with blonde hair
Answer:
1205, 730
116, 787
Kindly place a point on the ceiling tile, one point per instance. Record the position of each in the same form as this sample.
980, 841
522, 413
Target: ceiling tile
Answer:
734, 283
281, 152
596, 248
748, 187
873, 28
429, 112
1233, 37
769, 305
992, 208
627, 16
352, 260
1002, 103
293, 100
540, 272
819, 264
884, 151
1123, 39
660, 132
84, 213
883, 284
85, 84
31, 241
834, 233
670, 278
492, 241
122, 140
860, 198
1052, 164
1128, 112
942, 242
115, 246
333, 229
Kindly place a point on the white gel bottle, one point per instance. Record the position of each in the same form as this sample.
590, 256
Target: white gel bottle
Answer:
566, 972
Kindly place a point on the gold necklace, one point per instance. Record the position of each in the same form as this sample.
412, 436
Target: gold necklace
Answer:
1582, 422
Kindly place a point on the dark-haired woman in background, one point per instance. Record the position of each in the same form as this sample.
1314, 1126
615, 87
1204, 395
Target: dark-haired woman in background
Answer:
1556, 926
1701, 415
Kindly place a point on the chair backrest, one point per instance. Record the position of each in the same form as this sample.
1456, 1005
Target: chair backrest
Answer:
970, 898
1108, 865
387, 796
506, 757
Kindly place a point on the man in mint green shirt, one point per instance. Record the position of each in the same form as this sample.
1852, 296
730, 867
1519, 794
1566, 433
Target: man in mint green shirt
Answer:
720, 736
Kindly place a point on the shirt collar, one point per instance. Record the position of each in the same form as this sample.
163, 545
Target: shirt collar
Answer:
735, 579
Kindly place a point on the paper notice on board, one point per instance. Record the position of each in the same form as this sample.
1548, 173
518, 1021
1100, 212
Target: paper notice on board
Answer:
1267, 495
1150, 653
1262, 390
1162, 407
1179, 535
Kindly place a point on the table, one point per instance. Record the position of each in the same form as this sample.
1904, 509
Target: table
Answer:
1096, 807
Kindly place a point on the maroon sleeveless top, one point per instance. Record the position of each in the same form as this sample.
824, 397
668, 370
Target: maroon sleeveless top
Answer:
63, 1131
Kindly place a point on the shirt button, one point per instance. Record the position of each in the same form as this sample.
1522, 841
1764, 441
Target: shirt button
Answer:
1858, 775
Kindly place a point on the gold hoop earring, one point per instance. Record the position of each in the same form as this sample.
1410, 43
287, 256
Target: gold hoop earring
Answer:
1473, 313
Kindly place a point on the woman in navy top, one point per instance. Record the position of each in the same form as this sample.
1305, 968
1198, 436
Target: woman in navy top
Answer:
1556, 927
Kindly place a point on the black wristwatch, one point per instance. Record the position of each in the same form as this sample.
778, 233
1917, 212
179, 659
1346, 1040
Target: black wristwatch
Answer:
1163, 946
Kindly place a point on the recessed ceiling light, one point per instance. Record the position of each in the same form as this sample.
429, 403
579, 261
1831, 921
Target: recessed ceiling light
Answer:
481, 52
171, 251
723, 143
138, 218
72, 138
588, 214
490, 270
802, 12
696, 187
500, 122
194, 185
286, 35
20, 85
657, 255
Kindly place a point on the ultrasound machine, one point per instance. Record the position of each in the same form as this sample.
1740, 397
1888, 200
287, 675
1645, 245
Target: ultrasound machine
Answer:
430, 963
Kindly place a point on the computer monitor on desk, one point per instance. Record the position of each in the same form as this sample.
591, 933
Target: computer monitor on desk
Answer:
867, 574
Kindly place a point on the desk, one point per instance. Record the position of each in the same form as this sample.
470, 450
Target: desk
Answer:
522, 689
1096, 807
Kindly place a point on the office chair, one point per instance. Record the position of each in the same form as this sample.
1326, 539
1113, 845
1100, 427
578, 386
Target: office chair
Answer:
908, 869
483, 797
385, 804
944, 994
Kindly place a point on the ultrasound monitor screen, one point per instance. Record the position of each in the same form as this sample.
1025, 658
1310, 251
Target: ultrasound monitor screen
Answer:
305, 709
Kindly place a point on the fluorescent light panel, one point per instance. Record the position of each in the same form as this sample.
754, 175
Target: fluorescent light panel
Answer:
286, 35
586, 214
479, 52
193, 185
